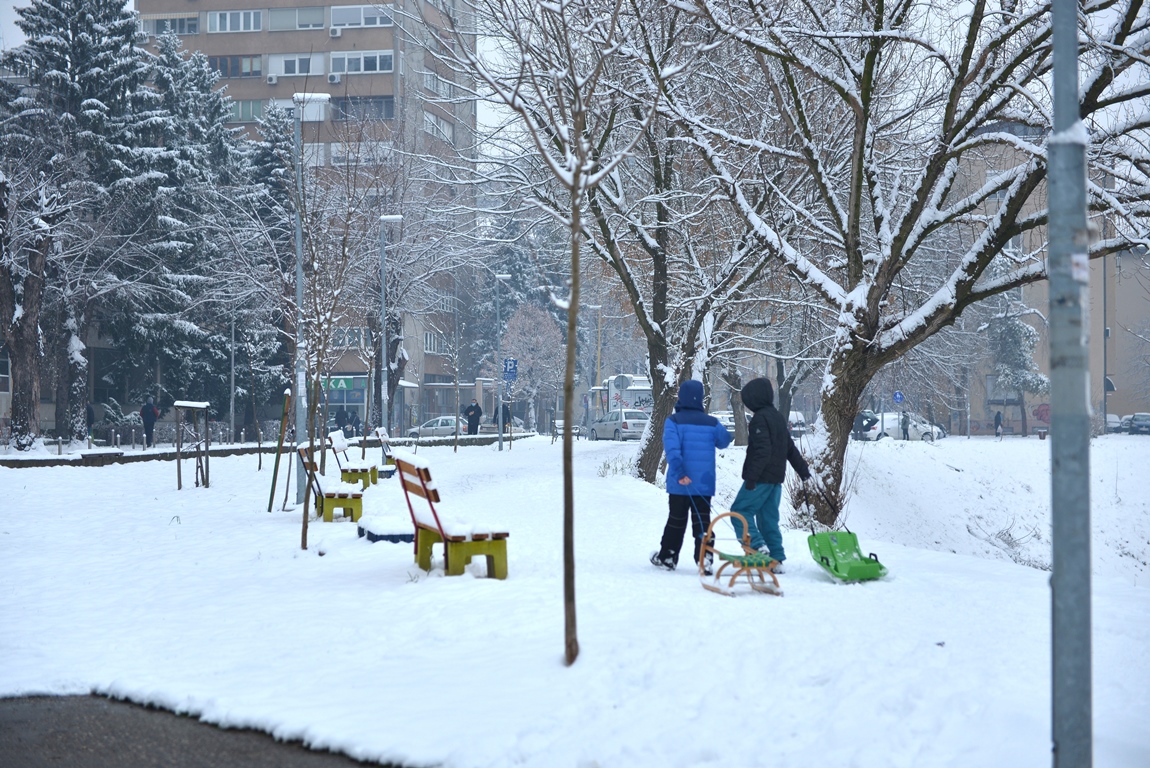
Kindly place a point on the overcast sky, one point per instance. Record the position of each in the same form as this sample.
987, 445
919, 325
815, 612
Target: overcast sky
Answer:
10, 34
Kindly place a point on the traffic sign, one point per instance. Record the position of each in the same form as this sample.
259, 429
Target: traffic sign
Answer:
898, 398
510, 369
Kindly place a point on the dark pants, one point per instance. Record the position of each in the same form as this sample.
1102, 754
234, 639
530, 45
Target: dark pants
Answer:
905, 433
473, 426
698, 509
148, 429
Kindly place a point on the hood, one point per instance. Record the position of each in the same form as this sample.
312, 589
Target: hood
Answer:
690, 395
758, 394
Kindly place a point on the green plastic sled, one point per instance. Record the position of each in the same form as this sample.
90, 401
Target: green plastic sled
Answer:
839, 555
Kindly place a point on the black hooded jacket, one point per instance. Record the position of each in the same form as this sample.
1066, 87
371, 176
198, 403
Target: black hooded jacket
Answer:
769, 445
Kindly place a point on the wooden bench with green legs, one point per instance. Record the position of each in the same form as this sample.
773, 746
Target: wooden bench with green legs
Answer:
351, 471
329, 495
460, 541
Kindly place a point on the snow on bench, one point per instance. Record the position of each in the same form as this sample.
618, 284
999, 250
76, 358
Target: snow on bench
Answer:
435, 523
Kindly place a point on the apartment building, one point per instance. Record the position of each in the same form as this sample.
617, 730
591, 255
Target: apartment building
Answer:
384, 90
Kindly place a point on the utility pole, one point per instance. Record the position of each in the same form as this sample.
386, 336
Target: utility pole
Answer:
1068, 268
499, 360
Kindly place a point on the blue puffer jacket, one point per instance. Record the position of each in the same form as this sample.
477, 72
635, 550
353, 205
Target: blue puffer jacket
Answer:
690, 438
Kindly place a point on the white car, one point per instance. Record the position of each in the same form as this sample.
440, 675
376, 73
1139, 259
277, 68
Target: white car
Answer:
889, 425
619, 425
444, 425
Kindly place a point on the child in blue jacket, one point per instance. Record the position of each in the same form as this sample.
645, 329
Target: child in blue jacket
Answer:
690, 438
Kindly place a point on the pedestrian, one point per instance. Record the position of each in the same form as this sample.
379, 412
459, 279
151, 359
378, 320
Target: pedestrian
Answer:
353, 421
505, 412
998, 423
89, 417
473, 413
148, 414
905, 423
690, 438
340, 417
769, 449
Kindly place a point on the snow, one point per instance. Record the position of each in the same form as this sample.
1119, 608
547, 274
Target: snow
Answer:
201, 602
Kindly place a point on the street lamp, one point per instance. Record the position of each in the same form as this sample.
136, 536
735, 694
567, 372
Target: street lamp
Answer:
384, 405
299, 101
598, 342
499, 359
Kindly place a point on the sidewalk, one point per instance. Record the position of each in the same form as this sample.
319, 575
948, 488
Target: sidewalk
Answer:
95, 732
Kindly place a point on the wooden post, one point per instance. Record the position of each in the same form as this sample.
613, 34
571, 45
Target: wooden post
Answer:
207, 450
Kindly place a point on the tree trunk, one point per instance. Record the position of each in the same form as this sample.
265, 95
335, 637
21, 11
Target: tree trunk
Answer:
570, 635
1022, 408
849, 375
734, 380
21, 333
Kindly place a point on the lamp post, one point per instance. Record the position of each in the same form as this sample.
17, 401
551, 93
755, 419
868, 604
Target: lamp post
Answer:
598, 343
499, 278
299, 101
384, 405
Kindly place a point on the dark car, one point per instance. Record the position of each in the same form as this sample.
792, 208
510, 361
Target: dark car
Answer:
1140, 424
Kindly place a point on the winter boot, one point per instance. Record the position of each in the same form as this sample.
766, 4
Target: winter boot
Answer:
666, 563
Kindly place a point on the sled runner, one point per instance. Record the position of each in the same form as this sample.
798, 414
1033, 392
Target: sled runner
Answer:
755, 566
838, 553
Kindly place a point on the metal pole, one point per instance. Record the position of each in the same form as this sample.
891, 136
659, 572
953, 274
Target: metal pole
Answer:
232, 382
499, 278
498, 367
300, 351
1069, 272
1105, 344
384, 404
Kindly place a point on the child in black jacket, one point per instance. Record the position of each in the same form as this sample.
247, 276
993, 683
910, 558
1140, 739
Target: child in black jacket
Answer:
769, 449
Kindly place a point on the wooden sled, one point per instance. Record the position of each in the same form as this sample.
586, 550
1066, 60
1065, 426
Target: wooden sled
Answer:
757, 567
838, 553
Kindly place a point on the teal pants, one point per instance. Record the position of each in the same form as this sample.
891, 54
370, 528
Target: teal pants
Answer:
761, 508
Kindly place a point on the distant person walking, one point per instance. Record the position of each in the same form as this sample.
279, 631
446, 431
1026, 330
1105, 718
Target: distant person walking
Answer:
769, 449
998, 423
690, 438
148, 414
90, 418
905, 423
473, 413
505, 413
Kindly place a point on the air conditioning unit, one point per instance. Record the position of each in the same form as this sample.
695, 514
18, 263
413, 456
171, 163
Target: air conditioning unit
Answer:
333, 79
273, 79
335, 31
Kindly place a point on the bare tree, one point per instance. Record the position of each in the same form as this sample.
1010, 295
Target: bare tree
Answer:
884, 117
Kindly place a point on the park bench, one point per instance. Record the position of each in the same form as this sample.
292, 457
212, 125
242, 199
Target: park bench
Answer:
351, 471
331, 495
460, 540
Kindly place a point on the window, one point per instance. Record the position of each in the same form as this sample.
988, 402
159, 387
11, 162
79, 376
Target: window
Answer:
237, 66
359, 16
293, 64
181, 26
439, 86
433, 343
355, 62
235, 21
295, 18
347, 338
437, 126
363, 108
361, 153
247, 111
5, 373
445, 303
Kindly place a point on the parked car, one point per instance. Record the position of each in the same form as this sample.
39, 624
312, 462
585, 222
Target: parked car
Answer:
619, 425
1124, 424
557, 428
1113, 423
797, 423
888, 425
727, 419
1140, 424
437, 427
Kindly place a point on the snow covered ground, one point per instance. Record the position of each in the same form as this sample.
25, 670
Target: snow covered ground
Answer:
201, 602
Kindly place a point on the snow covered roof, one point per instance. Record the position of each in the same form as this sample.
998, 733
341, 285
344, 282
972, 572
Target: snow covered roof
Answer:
191, 404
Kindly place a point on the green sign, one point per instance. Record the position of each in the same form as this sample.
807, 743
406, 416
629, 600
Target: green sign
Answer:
344, 382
